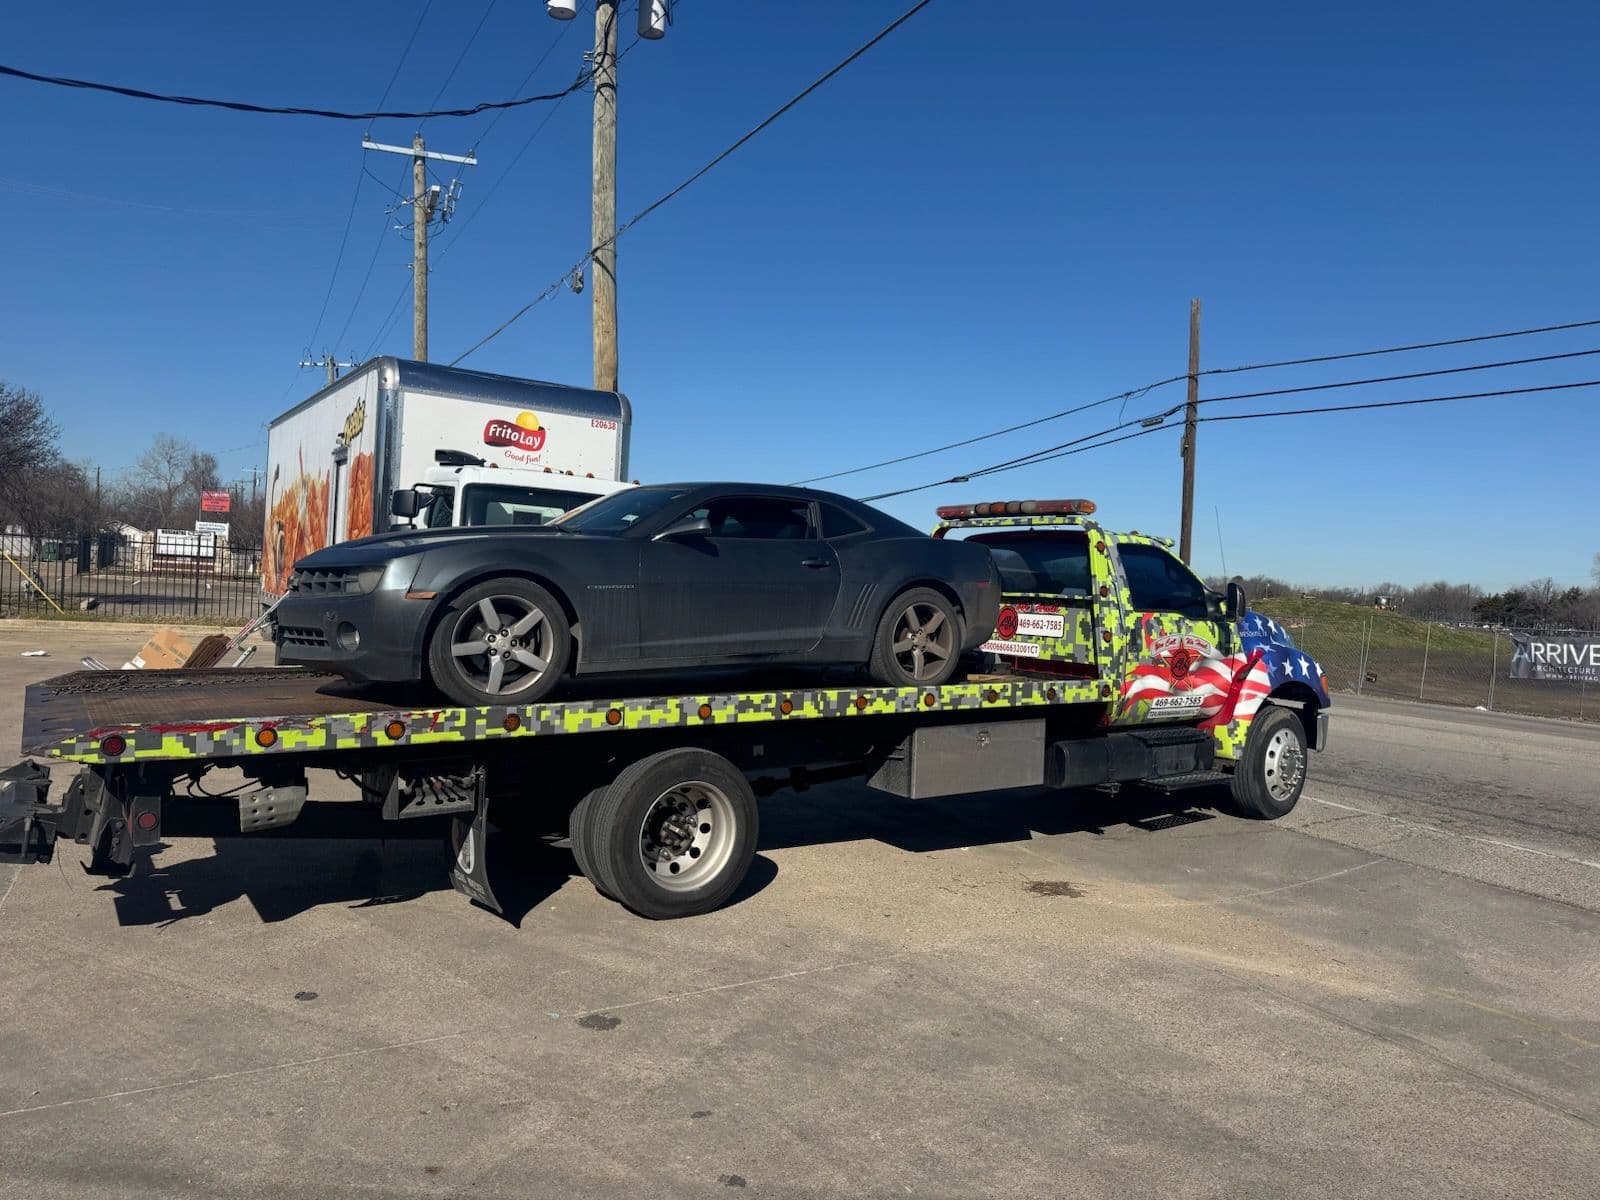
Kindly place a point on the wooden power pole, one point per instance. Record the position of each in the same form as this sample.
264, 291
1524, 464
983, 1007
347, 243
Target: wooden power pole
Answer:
425, 206
604, 221
1191, 425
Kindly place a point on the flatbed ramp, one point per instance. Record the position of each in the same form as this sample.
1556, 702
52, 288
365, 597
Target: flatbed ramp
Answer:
109, 717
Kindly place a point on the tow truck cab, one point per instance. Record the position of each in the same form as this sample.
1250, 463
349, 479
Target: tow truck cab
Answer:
1083, 602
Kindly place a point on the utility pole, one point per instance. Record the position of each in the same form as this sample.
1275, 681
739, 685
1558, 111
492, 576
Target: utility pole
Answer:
425, 207
332, 364
1191, 425
604, 219
654, 17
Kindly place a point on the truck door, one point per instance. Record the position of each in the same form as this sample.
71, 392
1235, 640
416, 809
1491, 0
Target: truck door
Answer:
1179, 656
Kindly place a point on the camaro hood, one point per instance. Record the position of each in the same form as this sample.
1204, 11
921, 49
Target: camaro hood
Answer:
384, 547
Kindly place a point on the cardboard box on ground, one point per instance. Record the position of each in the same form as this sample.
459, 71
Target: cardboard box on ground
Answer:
168, 649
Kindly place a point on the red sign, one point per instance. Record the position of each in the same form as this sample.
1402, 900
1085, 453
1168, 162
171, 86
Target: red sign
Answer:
220, 502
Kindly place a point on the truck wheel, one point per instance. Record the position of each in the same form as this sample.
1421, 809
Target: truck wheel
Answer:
1267, 781
580, 829
505, 641
918, 640
675, 834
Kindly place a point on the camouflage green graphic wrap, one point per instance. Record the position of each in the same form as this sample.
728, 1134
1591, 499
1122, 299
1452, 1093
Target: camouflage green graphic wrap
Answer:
257, 737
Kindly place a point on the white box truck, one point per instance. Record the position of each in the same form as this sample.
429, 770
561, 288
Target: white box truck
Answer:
468, 448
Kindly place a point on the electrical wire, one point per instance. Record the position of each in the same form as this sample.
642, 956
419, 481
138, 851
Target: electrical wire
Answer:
1078, 445
273, 110
691, 179
566, 28
404, 54
461, 58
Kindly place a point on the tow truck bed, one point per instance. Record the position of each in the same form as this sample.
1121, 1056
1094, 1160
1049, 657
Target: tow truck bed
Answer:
116, 717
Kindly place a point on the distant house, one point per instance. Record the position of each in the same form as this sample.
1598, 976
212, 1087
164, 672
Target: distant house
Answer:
1382, 601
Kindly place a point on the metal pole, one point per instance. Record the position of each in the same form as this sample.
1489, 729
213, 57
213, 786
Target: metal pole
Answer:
1427, 640
1366, 642
1494, 665
604, 201
1191, 425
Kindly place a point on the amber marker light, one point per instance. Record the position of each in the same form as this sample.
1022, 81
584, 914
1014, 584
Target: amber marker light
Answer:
395, 730
786, 707
512, 723
614, 716
266, 737
705, 712
861, 703
929, 699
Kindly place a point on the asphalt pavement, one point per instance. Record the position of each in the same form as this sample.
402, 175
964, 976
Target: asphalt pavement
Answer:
1396, 988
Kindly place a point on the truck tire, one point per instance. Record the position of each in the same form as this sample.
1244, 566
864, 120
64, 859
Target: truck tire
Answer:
503, 641
1268, 779
674, 834
918, 640
580, 830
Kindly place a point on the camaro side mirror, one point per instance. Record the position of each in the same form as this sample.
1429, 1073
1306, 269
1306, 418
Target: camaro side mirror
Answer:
1236, 605
688, 527
405, 503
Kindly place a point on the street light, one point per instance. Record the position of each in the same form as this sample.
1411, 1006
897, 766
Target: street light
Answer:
562, 10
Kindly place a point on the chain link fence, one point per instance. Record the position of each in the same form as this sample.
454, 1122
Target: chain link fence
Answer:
165, 575
1416, 656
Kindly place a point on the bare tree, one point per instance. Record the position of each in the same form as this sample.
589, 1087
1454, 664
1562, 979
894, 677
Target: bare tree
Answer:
27, 442
163, 489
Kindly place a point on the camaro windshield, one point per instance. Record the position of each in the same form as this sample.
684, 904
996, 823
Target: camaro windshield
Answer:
620, 511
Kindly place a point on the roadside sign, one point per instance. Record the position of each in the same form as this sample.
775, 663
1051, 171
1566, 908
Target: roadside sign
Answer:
218, 528
216, 502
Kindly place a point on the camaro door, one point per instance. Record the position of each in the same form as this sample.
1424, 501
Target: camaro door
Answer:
759, 582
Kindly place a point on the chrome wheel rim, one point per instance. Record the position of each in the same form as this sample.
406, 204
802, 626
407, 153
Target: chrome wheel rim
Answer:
687, 836
501, 645
924, 641
1284, 765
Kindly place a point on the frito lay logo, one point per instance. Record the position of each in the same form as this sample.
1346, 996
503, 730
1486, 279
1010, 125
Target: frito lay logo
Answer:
525, 433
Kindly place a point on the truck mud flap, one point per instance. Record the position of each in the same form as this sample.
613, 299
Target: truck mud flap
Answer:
469, 834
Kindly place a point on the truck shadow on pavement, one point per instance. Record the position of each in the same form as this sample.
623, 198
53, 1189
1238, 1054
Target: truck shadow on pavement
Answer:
853, 812
283, 878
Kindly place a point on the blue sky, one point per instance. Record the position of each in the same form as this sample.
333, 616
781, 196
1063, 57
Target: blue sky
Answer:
1002, 211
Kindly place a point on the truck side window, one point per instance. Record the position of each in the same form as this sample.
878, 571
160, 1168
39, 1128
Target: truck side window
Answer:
1158, 582
441, 509
1042, 563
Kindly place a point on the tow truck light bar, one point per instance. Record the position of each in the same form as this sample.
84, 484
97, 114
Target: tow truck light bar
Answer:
1013, 508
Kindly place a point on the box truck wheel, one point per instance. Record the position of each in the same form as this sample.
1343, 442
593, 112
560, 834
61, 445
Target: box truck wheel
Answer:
1268, 779
505, 641
675, 833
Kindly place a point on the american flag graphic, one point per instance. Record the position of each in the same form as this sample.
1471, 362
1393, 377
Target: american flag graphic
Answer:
1183, 674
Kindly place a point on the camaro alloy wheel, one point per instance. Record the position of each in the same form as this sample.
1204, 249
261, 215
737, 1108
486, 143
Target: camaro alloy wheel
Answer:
918, 640
505, 641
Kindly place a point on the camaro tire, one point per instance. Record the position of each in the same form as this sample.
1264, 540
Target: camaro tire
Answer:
918, 640
504, 641
1268, 779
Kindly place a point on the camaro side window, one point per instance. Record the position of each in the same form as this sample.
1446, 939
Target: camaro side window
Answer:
837, 523
759, 517
1158, 582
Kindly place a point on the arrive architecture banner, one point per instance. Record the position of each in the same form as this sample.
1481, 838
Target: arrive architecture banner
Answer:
1573, 658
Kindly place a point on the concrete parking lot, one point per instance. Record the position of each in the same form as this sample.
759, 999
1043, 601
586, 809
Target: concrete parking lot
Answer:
1395, 989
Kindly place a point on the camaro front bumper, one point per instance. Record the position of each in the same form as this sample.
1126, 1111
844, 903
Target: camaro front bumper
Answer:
376, 637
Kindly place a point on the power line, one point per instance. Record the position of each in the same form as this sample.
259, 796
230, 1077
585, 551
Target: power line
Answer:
404, 54
1134, 393
292, 110
460, 58
1078, 445
566, 27
1461, 341
671, 194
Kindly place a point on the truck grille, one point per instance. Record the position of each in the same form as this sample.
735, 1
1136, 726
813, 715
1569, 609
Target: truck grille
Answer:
321, 583
301, 635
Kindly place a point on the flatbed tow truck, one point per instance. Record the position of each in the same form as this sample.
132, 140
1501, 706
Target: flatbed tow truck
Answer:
1111, 663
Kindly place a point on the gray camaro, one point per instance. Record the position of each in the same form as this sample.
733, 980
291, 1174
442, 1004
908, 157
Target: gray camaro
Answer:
668, 577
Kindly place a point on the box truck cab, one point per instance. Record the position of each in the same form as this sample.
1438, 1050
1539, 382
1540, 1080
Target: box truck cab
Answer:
335, 461
462, 489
